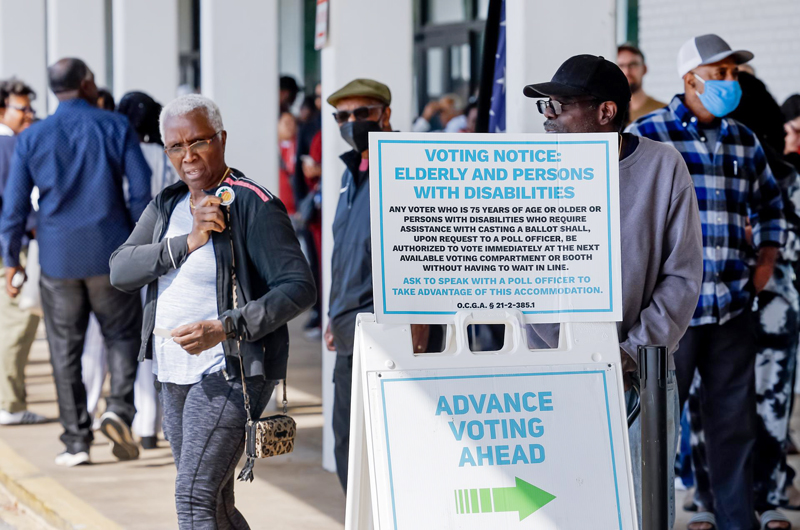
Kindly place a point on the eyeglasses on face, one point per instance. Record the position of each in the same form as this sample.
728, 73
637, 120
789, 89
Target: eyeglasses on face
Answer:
26, 109
557, 106
197, 147
361, 113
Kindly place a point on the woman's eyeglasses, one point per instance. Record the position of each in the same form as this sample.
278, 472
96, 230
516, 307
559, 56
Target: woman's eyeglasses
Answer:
197, 147
361, 113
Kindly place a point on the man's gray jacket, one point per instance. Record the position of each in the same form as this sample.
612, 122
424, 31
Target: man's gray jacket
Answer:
662, 250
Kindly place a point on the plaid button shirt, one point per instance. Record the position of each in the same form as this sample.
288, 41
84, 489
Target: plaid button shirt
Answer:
733, 182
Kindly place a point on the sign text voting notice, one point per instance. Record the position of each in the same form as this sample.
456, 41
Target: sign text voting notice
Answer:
473, 222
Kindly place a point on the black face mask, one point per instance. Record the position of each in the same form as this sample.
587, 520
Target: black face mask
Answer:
356, 133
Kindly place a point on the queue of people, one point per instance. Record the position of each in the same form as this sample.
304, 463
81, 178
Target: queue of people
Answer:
300, 179
710, 276
128, 235
198, 286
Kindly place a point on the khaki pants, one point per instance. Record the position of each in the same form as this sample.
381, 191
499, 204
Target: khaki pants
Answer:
18, 332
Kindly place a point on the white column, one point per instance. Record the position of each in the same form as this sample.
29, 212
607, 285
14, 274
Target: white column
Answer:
146, 48
76, 28
22, 46
536, 47
239, 71
360, 44
291, 47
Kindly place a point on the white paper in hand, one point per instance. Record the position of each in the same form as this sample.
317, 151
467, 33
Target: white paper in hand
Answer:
163, 333
30, 298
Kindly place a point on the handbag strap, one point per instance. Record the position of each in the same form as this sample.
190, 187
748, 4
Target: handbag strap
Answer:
238, 344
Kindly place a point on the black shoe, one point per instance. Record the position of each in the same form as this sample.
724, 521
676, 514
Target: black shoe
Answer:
314, 321
149, 442
116, 430
313, 334
791, 448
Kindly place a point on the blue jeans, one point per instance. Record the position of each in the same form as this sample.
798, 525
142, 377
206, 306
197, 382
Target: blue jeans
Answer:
635, 440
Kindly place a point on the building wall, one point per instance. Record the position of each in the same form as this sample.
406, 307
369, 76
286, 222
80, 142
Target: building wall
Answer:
290, 41
535, 49
239, 65
768, 28
345, 58
145, 49
77, 28
22, 46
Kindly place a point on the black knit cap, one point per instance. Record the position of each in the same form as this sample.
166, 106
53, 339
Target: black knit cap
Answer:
791, 107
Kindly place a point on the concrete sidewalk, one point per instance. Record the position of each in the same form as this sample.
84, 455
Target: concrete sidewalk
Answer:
291, 492
15, 516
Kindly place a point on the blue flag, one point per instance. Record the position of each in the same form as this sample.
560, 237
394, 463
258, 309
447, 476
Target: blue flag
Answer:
497, 112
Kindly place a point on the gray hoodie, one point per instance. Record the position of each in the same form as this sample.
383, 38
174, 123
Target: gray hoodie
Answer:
662, 251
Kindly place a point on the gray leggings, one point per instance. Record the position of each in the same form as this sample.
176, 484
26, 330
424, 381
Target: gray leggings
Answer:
204, 423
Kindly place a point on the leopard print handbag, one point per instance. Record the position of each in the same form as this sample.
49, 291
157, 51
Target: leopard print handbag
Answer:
270, 436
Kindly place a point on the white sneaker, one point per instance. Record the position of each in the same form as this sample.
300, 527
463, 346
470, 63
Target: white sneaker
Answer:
24, 417
67, 459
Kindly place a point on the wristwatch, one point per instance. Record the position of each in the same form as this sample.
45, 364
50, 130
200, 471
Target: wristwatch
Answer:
228, 326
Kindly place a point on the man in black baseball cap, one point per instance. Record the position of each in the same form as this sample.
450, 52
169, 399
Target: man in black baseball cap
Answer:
584, 82
659, 220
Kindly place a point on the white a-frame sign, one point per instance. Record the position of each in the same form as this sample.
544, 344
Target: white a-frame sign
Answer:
519, 230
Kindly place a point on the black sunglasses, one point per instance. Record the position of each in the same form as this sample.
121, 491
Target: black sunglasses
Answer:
361, 113
556, 106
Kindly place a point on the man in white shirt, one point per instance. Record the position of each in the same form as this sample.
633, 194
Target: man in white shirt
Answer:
19, 327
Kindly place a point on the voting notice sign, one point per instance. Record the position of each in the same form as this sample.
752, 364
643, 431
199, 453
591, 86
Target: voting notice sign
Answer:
504, 448
483, 221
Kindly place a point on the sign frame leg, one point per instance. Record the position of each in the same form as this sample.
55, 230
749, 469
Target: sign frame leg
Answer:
358, 511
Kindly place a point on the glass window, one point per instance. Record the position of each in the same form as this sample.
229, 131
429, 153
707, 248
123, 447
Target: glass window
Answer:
189, 43
435, 69
483, 9
447, 11
460, 63
447, 48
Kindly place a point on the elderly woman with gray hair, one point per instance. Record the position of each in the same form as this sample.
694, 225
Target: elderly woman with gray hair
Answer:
224, 273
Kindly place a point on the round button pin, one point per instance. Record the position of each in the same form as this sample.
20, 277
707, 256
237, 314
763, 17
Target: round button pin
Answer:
227, 195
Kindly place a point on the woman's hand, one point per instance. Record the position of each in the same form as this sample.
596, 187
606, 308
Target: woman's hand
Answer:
200, 336
208, 217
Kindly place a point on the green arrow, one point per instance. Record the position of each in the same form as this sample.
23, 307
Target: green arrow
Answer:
524, 498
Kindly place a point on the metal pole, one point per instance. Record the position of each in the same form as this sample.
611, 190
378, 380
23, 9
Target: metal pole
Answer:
653, 420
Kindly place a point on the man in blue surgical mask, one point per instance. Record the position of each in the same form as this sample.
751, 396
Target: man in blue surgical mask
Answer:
735, 188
